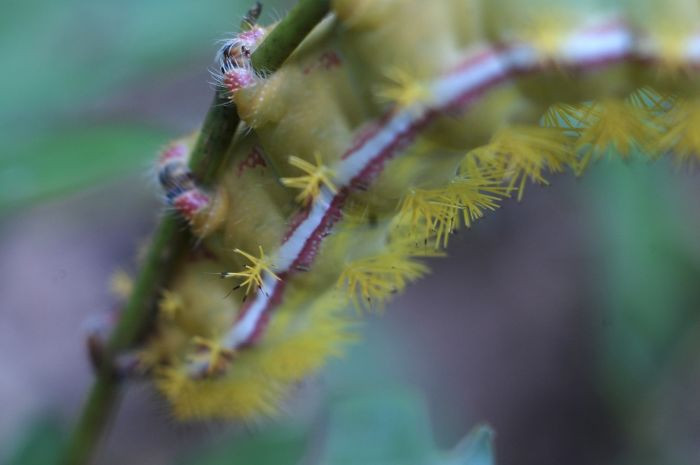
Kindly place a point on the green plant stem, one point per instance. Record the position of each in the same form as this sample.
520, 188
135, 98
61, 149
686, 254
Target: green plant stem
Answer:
284, 39
170, 241
209, 154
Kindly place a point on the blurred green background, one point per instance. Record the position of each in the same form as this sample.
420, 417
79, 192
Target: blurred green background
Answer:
568, 322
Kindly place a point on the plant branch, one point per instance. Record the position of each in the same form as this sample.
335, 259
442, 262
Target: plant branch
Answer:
288, 34
171, 240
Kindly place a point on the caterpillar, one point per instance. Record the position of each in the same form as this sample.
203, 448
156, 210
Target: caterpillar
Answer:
395, 123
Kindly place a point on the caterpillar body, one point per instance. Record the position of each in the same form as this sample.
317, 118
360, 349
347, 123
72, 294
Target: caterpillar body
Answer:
394, 123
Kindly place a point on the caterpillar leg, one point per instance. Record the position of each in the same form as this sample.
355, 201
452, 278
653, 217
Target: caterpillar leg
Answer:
202, 210
98, 329
233, 58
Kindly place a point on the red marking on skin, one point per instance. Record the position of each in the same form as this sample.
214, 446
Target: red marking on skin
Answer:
261, 324
190, 202
467, 97
402, 139
330, 60
366, 133
327, 61
477, 59
253, 159
177, 151
333, 214
296, 220
600, 62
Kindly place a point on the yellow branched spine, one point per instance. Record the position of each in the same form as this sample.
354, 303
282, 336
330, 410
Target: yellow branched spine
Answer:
375, 279
523, 153
681, 136
252, 274
438, 211
310, 184
402, 90
616, 125
215, 356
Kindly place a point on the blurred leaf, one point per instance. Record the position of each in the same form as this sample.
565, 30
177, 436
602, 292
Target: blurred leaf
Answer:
388, 428
63, 58
55, 162
648, 281
475, 449
281, 446
649, 296
392, 428
87, 48
40, 445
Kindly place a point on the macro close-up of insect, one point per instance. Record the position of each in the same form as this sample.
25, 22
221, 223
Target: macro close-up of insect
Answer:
530, 166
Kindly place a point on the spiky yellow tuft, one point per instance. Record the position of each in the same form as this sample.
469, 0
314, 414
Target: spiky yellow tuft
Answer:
252, 274
613, 124
301, 337
654, 103
246, 397
375, 279
525, 152
681, 136
215, 357
310, 184
402, 89
438, 210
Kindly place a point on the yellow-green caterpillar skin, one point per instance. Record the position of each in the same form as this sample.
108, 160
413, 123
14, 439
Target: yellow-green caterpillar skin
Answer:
395, 122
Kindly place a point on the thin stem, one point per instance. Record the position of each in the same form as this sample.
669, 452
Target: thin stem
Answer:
209, 153
284, 39
171, 239
169, 242
96, 412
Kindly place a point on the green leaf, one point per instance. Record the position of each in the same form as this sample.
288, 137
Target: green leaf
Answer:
646, 277
66, 54
392, 428
59, 161
65, 59
386, 428
647, 300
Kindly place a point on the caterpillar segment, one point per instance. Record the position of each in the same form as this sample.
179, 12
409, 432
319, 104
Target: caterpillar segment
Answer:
395, 123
